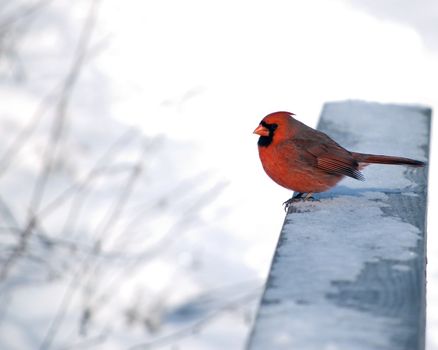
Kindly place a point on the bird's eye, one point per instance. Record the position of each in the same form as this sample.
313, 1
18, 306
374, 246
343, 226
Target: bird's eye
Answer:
270, 127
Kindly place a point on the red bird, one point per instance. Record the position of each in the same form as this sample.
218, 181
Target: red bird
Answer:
306, 160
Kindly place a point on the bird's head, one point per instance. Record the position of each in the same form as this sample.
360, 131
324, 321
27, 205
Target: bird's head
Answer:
274, 127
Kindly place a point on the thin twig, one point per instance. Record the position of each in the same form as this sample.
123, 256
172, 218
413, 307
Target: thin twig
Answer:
85, 268
113, 287
175, 193
94, 171
52, 145
197, 326
10, 154
8, 215
114, 214
62, 106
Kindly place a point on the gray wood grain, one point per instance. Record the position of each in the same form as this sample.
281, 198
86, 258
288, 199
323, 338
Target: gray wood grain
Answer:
349, 269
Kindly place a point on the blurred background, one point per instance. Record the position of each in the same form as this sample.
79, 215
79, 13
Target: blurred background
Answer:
134, 212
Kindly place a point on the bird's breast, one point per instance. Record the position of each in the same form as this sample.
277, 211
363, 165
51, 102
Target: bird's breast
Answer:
290, 169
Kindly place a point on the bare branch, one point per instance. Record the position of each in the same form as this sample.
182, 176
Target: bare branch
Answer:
199, 325
62, 106
23, 136
113, 287
85, 270
94, 171
51, 148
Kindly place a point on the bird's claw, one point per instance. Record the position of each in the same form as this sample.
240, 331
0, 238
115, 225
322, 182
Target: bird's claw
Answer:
299, 197
289, 202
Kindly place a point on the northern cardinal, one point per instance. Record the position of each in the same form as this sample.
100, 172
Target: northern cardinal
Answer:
306, 161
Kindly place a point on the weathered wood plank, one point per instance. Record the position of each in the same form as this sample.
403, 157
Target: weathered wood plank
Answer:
349, 270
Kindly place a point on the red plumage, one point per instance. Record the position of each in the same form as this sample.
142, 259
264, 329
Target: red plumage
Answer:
305, 160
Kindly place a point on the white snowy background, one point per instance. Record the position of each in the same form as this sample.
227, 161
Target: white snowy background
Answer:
134, 210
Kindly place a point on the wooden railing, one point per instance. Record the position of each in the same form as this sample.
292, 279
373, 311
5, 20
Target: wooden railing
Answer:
349, 269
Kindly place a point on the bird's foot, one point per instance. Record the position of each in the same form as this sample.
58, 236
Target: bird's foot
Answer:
299, 197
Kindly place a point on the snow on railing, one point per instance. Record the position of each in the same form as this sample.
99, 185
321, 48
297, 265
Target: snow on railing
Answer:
349, 269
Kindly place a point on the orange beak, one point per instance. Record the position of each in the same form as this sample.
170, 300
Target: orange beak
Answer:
261, 130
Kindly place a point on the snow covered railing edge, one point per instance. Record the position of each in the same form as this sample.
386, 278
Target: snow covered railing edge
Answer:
349, 270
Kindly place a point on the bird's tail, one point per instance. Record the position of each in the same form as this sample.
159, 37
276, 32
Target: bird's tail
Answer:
380, 159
